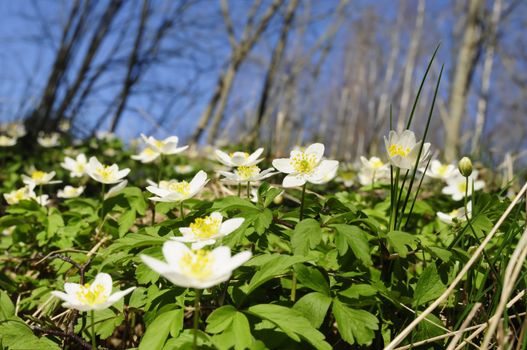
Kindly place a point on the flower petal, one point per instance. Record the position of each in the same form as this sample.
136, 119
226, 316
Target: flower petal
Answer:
293, 181
283, 165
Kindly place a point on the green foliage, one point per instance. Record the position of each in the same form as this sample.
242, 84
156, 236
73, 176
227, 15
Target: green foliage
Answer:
340, 278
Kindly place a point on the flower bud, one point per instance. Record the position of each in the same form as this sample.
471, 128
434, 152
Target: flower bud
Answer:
465, 166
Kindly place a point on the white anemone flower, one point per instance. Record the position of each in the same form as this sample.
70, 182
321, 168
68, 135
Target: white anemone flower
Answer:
177, 191
64, 125
115, 190
70, 192
6, 141
196, 268
48, 141
457, 185
402, 149
206, 231
105, 135
455, 215
43, 200
23, 193
373, 170
437, 170
244, 174
106, 174
37, 178
306, 166
16, 130
167, 146
77, 166
184, 169
147, 155
8, 231
95, 296
237, 159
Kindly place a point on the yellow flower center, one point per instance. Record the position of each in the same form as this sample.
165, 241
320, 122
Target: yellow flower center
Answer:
442, 170
159, 144
182, 187
20, 194
92, 295
105, 172
304, 162
376, 163
462, 187
247, 172
37, 175
149, 152
197, 264
454, 213
205, 227
398, 150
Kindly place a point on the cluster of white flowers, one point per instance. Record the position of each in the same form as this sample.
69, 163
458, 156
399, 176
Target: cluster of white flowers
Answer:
10, 133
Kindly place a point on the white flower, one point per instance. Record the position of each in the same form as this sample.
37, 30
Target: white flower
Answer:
6, 141
95, 296
24, 193
43, 200
115, 190
244, 174
37, 178
205, 231
167, 146
455, 215
47, 141
16, 130
196, 268
437, 170
147, 155
402, 149
306, 166
77, 166
105, 135
237, 159
106, 174
456, 185
177, 191
64, 125
373, 170
8, 231
184, 169
70, 192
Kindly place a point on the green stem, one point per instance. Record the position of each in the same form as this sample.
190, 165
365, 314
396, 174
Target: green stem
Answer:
302, 201
93, 340
196, 318
181, 211
249, 190
293, 287
393, 214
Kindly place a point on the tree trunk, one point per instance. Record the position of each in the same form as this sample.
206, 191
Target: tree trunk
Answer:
466, 60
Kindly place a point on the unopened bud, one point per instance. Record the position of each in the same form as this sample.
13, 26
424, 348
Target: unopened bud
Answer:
465, 166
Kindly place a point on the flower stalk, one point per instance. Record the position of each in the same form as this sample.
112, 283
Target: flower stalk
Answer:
93, 340
196, 318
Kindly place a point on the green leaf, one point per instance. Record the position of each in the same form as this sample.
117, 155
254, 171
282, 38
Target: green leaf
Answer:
429, 286
358, 290
7, 308
399, 240
312, 278
355, 326
157, 332
233, 325
314, 306
16, 335
356, 239
220, 319
54, 223
292, 323
126, 221
307, 235
272, 268
263, 221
